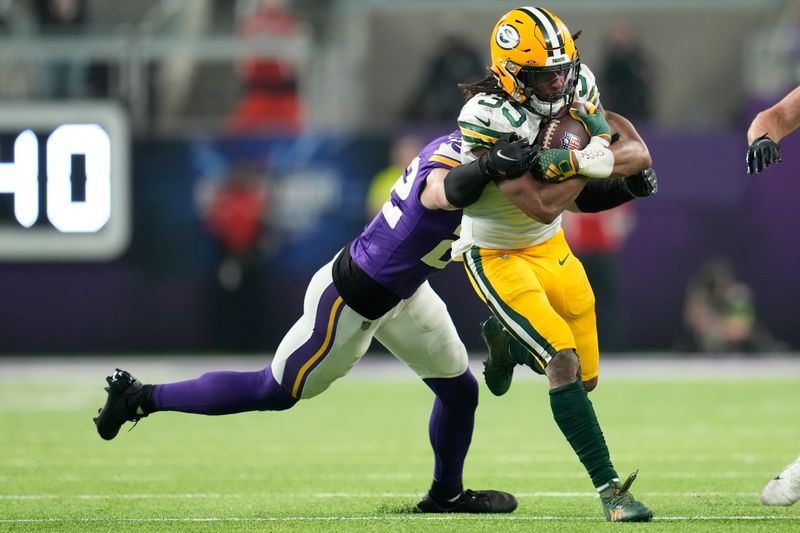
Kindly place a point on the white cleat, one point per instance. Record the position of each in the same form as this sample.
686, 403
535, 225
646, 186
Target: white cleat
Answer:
785, 488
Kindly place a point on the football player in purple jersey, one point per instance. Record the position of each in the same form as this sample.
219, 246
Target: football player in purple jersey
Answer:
375, 287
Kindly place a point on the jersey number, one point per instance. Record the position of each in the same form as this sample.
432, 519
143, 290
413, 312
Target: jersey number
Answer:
402, 188
439, 256
495, 103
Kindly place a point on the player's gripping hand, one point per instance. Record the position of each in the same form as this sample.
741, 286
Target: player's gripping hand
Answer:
642, 184
593, 161
555, 165
593, 122
510, 157
762, 153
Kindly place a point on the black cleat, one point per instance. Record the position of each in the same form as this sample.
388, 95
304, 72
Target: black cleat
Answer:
125, 395
472, 501
498, 369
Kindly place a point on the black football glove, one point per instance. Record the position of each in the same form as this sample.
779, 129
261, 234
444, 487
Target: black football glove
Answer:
510, 157
642, 184
764, 152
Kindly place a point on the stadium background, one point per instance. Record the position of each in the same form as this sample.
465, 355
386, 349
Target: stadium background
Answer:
716, 63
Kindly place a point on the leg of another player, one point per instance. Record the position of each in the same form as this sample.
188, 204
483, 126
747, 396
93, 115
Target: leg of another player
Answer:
450, 429
784, 489
222, 393
420, 333
321, 347
213, 393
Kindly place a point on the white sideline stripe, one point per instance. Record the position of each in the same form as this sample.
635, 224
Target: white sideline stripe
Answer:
214, 495
386, 518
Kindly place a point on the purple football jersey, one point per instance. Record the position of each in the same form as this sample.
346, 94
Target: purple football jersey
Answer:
405, 243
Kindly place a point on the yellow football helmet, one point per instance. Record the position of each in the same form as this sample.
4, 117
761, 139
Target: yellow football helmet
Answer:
535, 60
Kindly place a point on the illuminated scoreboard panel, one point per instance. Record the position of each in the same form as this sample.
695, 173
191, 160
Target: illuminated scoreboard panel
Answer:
64, 182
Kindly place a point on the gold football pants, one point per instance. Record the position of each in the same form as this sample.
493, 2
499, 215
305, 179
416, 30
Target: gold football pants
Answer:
542, 297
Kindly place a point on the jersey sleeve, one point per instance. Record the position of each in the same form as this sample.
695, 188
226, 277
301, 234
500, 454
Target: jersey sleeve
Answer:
447, 155
587, 90
481, 125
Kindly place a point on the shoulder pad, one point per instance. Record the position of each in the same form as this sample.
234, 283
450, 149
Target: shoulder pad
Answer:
448, 153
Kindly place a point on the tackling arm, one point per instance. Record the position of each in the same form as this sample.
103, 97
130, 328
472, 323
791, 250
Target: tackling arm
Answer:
433, 196
508, 158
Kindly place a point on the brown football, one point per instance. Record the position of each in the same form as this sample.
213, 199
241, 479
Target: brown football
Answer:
565, 133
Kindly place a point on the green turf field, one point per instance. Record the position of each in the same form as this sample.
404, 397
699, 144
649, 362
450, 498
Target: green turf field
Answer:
357, 457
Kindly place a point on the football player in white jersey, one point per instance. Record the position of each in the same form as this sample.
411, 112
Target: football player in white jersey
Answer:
518, 260
763, 136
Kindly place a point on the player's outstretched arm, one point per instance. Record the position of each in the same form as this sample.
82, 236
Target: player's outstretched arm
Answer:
433, 196
768, 128
508, 159
778, 121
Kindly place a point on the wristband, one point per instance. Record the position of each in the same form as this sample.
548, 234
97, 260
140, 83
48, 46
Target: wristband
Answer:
596, 160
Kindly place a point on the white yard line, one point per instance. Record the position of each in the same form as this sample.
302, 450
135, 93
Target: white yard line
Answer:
327, 495
386, 518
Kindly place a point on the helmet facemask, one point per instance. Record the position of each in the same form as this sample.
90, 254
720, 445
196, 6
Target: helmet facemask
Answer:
543, 95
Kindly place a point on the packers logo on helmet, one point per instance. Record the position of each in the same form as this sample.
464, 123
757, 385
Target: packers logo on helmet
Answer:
507, 37
535, 60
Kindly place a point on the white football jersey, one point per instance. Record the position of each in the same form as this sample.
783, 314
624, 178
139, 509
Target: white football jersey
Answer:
493, 221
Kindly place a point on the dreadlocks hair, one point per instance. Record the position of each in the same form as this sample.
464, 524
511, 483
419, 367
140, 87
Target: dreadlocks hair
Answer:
490, 84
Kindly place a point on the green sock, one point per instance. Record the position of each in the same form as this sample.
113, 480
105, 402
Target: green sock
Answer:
574, 414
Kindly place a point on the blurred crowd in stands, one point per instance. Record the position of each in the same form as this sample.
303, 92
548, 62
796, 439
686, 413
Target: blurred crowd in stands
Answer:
266, 98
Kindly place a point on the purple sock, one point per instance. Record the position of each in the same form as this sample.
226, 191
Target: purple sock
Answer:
450, 428
224, 393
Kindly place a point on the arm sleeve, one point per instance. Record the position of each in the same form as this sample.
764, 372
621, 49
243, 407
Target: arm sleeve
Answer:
602, 194
464, 184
